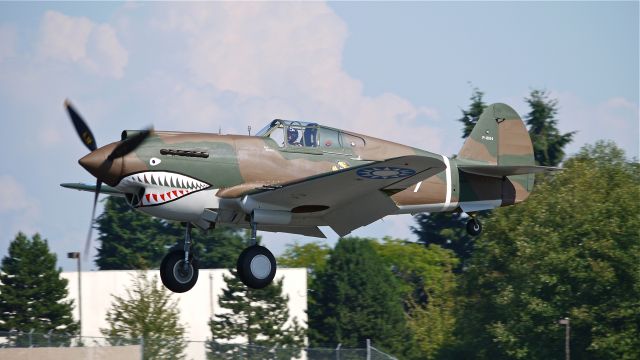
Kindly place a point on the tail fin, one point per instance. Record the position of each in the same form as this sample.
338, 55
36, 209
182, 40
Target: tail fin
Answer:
499, 140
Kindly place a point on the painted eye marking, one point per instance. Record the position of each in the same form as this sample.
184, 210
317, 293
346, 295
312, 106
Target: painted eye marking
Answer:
154, 161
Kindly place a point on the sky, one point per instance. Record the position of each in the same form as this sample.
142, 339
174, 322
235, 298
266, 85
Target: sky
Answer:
400, 71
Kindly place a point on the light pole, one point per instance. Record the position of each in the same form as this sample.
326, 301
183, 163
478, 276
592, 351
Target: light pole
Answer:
567, 326
76, 255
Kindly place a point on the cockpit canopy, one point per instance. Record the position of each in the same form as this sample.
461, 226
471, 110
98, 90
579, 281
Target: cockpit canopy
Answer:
290, 133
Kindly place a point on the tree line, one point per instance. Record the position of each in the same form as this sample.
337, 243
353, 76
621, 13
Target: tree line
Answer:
571, 250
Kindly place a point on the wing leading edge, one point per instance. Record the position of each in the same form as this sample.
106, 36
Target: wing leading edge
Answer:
104, 189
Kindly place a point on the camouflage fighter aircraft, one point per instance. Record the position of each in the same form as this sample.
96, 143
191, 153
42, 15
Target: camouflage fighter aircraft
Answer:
295, 176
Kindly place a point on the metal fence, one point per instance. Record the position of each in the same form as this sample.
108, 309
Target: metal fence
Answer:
194, 350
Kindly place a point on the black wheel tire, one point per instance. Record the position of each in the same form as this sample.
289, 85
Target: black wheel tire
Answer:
172, 274
256, 267
474, 227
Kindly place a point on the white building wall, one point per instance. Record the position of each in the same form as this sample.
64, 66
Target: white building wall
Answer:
196, 305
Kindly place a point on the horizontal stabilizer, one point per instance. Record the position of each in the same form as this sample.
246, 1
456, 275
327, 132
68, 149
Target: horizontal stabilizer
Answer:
505, 170
104, 189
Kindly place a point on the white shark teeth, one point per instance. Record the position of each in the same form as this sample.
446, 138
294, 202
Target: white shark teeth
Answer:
161, 186
166, 179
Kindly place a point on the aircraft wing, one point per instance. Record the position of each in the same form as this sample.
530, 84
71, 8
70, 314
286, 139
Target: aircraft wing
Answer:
104, 189
353, 197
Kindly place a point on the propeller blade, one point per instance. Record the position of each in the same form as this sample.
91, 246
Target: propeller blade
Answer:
87, 244
81, 127
129, 144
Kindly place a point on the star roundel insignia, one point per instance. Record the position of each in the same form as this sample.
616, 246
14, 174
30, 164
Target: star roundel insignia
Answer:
385, 172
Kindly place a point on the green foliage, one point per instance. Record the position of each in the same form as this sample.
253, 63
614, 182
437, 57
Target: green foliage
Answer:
148, 312
470, 116
218, 248
548, 143
259, 317
427, 285
129, 239
356, 298
572, 250
133, 240
32, 293
312, 256
447, 230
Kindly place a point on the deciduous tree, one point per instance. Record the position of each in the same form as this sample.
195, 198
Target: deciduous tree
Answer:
571, 250
427, 284
312, 256
147, 312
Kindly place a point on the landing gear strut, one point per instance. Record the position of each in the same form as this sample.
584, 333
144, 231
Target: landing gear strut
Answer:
474, 227
256, 265
179, 269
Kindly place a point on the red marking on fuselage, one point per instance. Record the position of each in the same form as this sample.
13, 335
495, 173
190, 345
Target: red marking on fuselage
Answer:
155, 197
175, 192
148, 197
162, 197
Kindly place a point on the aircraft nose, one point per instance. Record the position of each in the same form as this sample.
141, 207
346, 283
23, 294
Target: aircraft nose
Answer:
98, 164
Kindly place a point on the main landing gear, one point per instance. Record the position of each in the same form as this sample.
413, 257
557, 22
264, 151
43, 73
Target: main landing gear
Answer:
474, 227
256, 265
179, 269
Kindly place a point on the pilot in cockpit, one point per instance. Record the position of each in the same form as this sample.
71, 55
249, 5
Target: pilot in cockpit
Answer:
292, 137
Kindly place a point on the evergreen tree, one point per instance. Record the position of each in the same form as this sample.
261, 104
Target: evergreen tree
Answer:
571, 250
129, 239
260, 318
446, 230
147, 312
133, 240
358, 298
32, 293
470, 116
217, 248
548, 142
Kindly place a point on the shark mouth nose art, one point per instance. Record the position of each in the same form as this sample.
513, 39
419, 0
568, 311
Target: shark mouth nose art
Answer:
162, 187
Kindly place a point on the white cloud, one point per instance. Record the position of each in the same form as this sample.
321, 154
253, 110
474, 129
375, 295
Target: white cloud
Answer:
282, 60
613, 119
18, 211
79, 40
12, 195
7, 41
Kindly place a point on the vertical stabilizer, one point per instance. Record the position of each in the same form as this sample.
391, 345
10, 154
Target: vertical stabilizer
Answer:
501, 138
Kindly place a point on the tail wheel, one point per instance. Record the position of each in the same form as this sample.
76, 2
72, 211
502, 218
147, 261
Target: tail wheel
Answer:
175, 275
256, 267
474, 227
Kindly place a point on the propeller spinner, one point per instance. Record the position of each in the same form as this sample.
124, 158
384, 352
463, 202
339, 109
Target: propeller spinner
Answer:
101, 160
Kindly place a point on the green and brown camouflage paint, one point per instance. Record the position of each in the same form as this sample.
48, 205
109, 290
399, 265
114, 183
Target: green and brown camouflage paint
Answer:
238, 164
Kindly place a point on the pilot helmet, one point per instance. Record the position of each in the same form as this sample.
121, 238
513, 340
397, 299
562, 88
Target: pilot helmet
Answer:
292, 135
